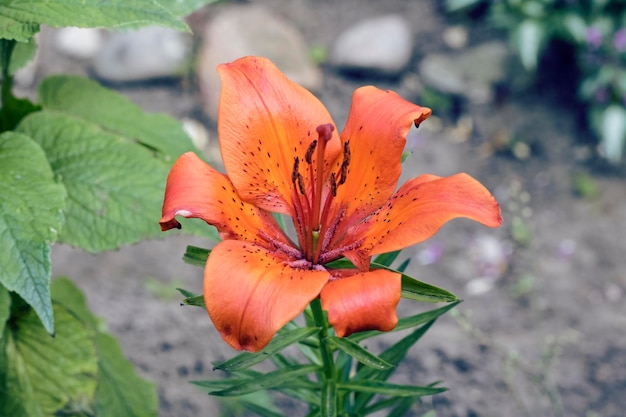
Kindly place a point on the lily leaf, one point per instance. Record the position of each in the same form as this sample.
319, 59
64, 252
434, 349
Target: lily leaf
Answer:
386, 388
279, 342
267, 381
393, 354
191, 299
196, 256
408, 322
31, 217
386, 259
413, 289
359, 353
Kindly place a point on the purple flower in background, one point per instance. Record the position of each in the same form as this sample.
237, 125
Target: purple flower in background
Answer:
594, 37
619, 40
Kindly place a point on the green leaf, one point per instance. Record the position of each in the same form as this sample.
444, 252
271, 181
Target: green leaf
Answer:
260, 410
393, 354
279, 342
413, 289
115, 188
20, 20
191, 299
31, 206
401, 406
17, 31
185, 7
407, 322
120, 391
386, 259
5, 308
43, 376
329, 399
386, 388
196, 301
196, 256
358, 352
86, 99
267, 381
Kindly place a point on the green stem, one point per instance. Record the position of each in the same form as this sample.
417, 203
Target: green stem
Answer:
328, 406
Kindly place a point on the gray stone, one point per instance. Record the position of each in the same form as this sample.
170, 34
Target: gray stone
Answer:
78, 43
471, 73
382, 46
148, 53
239, 31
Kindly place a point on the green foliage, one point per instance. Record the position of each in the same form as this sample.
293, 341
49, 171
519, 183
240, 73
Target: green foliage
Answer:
31, 218
20, 20
362, 393
596, 31
87, 167
81, 371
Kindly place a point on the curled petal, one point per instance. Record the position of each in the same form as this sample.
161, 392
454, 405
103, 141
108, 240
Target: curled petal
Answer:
376, 130
420, 207
362, 301
250, 292
194, 189
265, 121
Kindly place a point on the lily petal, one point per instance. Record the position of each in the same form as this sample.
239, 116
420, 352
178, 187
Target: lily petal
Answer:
421, 206
250, 292
265, 121
376, 130
194, 189
362, 301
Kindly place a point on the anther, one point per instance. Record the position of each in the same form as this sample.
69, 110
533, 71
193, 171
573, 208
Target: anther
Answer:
343, 173
309, 152
301, 184
294, 173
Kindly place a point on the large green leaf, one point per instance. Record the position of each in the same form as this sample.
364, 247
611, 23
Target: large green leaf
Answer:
120, 392
42, 375
19, 19
184, 7
115, 188
30, 219
113, 112
5, 308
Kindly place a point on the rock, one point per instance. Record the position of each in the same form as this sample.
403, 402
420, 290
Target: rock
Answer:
148, 53
239, 31
455, 37
471, 73
79, 43
381, 46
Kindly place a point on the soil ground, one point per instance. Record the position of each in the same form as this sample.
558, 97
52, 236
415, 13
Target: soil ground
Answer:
547, 340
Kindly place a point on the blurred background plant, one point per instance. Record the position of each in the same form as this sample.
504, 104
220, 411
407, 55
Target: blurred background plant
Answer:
590, 33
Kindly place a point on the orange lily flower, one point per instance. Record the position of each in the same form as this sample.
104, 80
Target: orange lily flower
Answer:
283, 155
